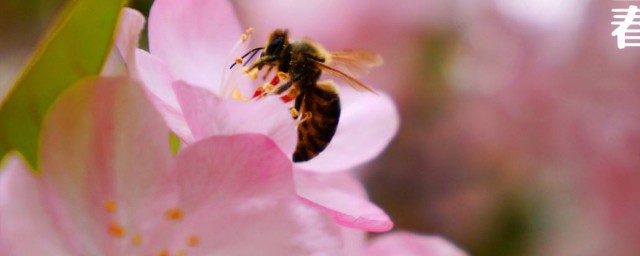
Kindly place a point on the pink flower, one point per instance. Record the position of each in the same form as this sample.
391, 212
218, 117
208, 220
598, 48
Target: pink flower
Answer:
545, 97
191, 47
109, 186
403, 243
397, 243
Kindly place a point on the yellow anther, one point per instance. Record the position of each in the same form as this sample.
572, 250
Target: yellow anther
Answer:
245, 70
253, 74
116, 230
174, 214
193, 240
239, 60
136, 239
283, 75
294, 113
237, 95
249, 31
243, 38
181, 253
163, 253
110, 206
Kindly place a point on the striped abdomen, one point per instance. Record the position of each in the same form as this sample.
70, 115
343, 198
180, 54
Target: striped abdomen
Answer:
315, 132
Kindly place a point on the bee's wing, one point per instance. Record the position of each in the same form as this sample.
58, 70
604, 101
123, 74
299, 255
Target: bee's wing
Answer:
344, 77
355, 63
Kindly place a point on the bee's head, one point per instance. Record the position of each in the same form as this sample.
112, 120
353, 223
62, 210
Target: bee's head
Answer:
277, 43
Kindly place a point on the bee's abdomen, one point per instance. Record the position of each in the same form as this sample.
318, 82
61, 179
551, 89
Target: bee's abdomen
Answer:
315, 133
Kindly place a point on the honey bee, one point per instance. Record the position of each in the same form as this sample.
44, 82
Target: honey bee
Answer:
299, 65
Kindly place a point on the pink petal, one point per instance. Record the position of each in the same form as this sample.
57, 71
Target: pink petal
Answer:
264, 225
128, 34
26, 228
367, 124
343, 197
156, 77
408, 244
126, 41
102, 141
233, 189
194, 38
157, 80
114, 65
354, 241
224, 168
209, 115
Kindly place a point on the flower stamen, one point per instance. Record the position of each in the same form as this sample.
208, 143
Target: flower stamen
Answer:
136, 239
243, 38
193, 240
237, 95
116, 230
110, 206
174, 214
253, 73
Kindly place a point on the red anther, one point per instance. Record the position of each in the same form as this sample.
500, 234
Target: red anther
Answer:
259, 91
275, 81
286, 98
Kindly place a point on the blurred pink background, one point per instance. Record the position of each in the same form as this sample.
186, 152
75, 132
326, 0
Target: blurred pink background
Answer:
520, 130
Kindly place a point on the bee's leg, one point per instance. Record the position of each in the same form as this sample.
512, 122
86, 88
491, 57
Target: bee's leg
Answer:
290, 95
295, 110
259, 64
266, 74
252, 72
284, 87
263, 90
305, 116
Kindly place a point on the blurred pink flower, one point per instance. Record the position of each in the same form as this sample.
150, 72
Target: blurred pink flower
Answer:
397, 243
191, 46
407, 244
544, 94
110, 186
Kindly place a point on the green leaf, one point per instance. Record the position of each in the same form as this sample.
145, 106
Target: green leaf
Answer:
77, 46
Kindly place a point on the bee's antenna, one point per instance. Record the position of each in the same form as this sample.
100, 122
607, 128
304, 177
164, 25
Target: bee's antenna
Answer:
254, 51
